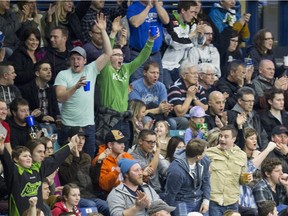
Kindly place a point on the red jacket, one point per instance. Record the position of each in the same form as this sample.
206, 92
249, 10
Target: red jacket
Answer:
60, 207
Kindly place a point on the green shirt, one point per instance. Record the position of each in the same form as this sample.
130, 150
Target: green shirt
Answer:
113, 84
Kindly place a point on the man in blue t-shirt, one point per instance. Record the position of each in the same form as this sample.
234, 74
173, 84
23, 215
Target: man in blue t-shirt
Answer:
141, 15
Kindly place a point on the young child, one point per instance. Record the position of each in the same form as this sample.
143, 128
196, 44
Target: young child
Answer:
162, 131
197, 126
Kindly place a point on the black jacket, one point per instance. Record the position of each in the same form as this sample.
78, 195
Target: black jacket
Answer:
19, 135
30, 93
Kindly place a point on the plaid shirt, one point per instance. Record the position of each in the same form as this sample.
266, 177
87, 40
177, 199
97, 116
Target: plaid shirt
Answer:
262, 192
43, 100
110, 13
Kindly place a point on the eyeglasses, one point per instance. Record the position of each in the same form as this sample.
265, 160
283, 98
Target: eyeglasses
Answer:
119, 55
248, 101
150, 142
270, 38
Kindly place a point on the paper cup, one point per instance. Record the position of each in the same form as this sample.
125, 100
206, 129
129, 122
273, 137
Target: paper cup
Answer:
87, 86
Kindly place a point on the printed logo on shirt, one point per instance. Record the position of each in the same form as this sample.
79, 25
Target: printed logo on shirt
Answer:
31, 189
116, 76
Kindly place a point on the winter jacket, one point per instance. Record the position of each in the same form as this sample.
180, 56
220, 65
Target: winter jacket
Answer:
60, 207
184, 186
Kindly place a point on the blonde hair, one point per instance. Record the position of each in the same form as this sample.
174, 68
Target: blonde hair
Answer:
166, 124
136, 105
213, 136
60, 15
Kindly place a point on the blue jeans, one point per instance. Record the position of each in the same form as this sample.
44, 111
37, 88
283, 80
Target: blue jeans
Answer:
178, 123
90, 142
169, 77
220, 210
101, 205
183, 208
139, 72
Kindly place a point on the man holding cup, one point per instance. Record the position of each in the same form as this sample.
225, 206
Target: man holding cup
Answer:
78, 104
228, 166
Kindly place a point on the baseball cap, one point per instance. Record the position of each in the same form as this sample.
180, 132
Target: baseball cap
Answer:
279, 129
76, 130
79, 50
160, 205
115, 136
197, 111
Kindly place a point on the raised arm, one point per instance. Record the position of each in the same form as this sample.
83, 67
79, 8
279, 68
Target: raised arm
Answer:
139, 19
162, 13
105, 57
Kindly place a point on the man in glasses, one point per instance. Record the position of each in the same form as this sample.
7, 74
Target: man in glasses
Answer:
150, 163
246, 116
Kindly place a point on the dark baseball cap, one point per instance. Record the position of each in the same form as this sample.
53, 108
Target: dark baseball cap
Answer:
115, 136
76, 130
279, 129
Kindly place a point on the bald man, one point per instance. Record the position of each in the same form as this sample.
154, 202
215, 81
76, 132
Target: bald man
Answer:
217, 116
265, 81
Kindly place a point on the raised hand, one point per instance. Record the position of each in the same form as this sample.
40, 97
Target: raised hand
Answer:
51, 9
142, 200
117, 25
241, 119
33, 201
101, 21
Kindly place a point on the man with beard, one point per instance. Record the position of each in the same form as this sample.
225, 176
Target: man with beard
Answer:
237, 77
244, 108
132, 197
42, 97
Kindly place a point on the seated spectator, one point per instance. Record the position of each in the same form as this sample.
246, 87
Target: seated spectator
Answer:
273, 185
243, 110
63, 13
41, 96
8, 90
152, 92
267, 208
213, 136
110, 171
24, 57
175, 145
153, 167
20, 131
181, 189
57, 53
133, 196
76, 169
262, 48
32, 210
45, 194
207, 77
279, 135
206, 53
237, 77
141, 15
71, 198
159, 207
184, 94
195, 129
265, 81
231, 213
276, 115
178, 39
224, 16
228, 48
30, 179
162, 131
4, 126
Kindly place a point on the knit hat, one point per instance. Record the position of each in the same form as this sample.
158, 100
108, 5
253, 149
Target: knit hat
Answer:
159, 205
115, 136
125, 164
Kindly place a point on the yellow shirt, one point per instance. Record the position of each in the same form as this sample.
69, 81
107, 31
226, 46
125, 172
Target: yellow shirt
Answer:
225, 172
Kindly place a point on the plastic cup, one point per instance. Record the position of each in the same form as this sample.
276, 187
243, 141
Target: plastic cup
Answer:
87, 86
30, 121
153, 31
245, 176
285, 60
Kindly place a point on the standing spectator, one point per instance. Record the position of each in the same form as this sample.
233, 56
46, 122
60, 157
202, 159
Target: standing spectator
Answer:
8, 90
141, 15
132, 197
187, 184
262, 48
273, 185
24, 57
78, 105
175, 145
152, 92
237, 77
224, 16
57, 52
276, 115
227, 163
40, 95
184, 94
206, 53
76, 169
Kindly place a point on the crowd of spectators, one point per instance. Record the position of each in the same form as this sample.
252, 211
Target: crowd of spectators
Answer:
90, 97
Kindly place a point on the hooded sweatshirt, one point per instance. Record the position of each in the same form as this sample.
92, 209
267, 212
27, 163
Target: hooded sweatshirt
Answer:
60, 207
